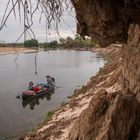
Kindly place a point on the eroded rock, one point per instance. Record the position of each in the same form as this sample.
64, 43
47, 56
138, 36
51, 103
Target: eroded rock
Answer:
106, 21
131, 62
108, 117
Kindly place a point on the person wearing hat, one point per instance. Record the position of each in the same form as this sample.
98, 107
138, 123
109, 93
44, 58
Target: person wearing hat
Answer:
31, 86
49, 80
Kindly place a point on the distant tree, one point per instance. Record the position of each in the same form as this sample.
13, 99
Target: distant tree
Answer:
87, 42
69, 40
51, 44
62, 40
77, 38
2, 43
54, 42
31, 43
45, 44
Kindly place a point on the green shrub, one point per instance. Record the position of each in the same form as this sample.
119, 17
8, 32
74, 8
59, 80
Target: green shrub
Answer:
77, 39
48, 116
88, 43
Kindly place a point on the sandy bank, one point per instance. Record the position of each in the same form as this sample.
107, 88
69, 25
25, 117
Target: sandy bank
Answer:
11, 50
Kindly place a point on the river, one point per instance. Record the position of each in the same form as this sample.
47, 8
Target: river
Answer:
70, 68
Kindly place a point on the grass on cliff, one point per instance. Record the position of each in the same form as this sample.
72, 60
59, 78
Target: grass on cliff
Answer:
49, 115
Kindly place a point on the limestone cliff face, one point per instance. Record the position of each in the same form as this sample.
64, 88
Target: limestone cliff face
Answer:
108, 117
112, 116
115, 115
107, 21
131, 61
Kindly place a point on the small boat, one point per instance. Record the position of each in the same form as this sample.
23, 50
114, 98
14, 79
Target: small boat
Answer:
37, 94
32, 102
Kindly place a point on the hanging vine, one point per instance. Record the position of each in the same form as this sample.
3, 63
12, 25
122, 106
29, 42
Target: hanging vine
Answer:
51, 10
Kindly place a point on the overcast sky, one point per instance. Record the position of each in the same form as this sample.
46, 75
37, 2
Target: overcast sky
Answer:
15, 28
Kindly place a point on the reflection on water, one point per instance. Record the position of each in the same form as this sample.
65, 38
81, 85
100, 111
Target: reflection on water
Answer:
36, 101
69, 68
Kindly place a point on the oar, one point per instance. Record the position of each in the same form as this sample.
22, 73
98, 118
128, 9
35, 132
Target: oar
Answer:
18, 96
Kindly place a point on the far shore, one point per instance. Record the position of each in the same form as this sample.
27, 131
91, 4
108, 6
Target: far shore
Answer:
12, 50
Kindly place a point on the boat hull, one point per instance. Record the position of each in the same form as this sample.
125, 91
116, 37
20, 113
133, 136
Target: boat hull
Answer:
38, 94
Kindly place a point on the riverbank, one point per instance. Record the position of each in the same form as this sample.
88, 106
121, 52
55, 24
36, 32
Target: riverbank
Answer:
11, 50
59, 125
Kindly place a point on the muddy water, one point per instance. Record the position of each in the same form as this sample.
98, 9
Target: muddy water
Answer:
70, 69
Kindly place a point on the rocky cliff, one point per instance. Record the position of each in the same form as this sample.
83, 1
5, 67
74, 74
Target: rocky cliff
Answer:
108, 107
112, 116
107, 21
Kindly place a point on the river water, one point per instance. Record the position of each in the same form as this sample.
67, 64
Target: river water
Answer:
71, 69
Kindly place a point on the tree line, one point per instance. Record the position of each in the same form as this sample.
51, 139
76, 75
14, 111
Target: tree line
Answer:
68, 42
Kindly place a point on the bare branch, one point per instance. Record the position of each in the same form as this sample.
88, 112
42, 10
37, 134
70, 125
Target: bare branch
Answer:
52, 10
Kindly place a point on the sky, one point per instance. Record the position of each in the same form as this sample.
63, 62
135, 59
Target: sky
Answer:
14, 28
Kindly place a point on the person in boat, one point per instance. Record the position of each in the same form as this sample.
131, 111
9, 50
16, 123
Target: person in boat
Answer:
46, 85
31, 86
43, 86
50, 80
36, 89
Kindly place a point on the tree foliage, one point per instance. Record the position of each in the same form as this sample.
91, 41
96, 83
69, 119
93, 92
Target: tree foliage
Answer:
77, 41
69, 40
51, 44
31, 43
62, 40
